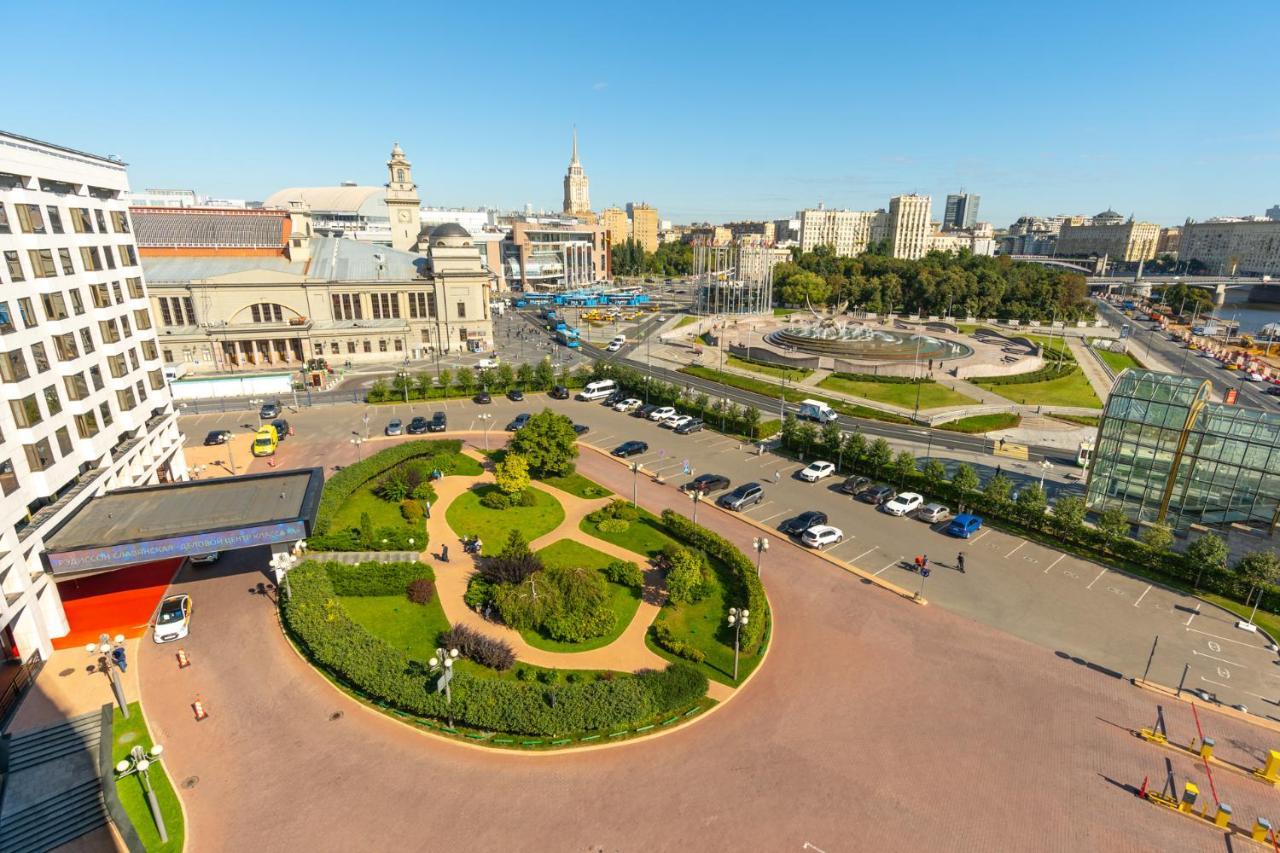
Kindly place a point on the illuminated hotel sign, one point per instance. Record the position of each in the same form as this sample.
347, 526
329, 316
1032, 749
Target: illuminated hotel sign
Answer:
111, 556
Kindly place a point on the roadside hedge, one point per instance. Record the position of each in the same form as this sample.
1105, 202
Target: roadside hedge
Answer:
375, 578
883, 379
741, 569
372, 668
343, 484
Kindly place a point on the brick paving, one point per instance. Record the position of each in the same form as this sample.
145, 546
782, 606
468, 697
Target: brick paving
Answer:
875, 724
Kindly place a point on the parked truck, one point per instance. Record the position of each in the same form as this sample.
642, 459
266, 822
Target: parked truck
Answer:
816, 410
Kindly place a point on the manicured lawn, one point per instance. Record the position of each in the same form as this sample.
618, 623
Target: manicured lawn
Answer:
623, 601
1118, 361
792, 374
983, 423
782, 312
686, 321
578, 485
932, 395
1069, 389
793, 395
645, 536
381, 513
703, 625
1083, 420
126, 734
467, 517
411, 628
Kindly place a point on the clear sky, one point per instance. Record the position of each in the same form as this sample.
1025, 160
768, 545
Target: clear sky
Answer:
707, 111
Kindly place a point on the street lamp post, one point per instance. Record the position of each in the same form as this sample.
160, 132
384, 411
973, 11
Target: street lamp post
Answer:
1045, 467
761, 544
635, 479
442, 663
488, 423
357, 441
283, 562
139, 761
924, 573
737, 618
696, 497
111, 657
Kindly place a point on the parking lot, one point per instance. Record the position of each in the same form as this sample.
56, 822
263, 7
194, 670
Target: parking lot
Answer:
1083, 612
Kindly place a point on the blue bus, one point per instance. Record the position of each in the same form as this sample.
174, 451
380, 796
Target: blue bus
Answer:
568, 337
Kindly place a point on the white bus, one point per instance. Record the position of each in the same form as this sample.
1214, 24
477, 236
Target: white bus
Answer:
598, 390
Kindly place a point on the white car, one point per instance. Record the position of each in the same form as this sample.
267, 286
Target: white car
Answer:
613, 347
487, 363
677, 421
661, 414
822, 535
174, 619
628, 405
816, 471
903, 504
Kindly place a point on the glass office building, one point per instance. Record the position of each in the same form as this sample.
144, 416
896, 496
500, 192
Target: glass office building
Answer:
1167, 454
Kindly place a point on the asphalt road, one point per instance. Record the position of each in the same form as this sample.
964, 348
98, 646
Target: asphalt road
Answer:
1070, 606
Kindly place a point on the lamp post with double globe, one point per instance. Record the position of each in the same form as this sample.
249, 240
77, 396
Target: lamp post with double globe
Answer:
737, 618
442, 663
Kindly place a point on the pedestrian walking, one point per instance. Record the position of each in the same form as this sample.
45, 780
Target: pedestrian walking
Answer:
924, 561
919, 564
444, 553
777, 476
960, 562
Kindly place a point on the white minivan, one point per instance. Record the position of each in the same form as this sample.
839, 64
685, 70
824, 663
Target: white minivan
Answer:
598, 390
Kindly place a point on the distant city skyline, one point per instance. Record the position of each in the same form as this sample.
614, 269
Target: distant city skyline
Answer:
489, 122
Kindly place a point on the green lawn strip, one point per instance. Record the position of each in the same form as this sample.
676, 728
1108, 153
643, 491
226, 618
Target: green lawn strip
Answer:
381, 513
783, 312
792, 374
467, 517
793, 395
126, 734
412, 628
686, 321
1118, 361
982, 423
645, 536
577, 485
1083, 420
623, 601
1072, 388
932, 395
1266, 621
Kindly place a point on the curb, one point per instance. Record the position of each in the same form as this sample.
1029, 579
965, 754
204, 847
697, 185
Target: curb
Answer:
1189, 698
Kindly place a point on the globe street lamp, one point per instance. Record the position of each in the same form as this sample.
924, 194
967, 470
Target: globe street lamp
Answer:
696, 496
139, 762
737, 618
357, 441
112, 661
635, 477
284, 561
488, 423
761, 544
442, 663
1045, 467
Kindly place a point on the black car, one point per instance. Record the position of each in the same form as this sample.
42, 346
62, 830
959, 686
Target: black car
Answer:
518, 421
482, 397
581, 429
706, 483
418, 426
877, 495
515, 395
438, 422
1273, 390
645, 411
559, 392
282, 428
616, 397
742, 497
269, 411
855, 485
630, 448
217, 436
691, 426
802, 522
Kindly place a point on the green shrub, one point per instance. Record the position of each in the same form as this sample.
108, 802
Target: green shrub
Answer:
371, 667
421, 591
880, 378
411, 510
339, 487
689, 577
626, 573
374, 578
527, 498
584, 610
741, 569
613, 525
479, 592
495, 499
665, 639
548, 676
481, 648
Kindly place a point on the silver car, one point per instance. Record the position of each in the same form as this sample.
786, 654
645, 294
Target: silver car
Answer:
933, 513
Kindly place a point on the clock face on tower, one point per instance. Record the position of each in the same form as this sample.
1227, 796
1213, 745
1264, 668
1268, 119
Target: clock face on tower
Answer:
404, 216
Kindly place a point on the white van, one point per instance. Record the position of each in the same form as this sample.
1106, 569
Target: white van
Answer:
598, 390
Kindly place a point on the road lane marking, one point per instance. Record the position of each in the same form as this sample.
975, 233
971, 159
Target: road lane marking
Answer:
1225, 639
890, 566
1095, 580
1194, 615
1055, 562
1219, 660
868, 551
1144, 595
1015, 550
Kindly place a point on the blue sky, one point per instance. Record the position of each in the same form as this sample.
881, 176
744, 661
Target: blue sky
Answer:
1160, 109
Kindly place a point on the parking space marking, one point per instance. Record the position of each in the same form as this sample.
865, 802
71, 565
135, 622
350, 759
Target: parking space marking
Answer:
980, 535
863, 554
1219, 660
1095, 580
1054, 563
761, 505
1225, 639
1015, 549
1144, 595
1194, 615
890, 566
775, 515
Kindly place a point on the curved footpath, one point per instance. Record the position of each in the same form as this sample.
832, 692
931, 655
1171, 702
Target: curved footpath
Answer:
875, 724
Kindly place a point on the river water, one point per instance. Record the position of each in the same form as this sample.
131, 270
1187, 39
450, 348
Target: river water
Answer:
1252, 316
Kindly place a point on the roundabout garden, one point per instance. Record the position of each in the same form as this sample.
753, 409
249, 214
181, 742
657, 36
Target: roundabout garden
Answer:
581, 620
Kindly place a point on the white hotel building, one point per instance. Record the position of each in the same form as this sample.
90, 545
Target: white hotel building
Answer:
85, 406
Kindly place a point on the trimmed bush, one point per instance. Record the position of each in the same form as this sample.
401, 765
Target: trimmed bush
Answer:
371, 667
513, 563
495, 499
665, 639
374, 578
478, 647
479, 592
613, 525
689, 577
411, 510
626, 573
421, 591
526, 498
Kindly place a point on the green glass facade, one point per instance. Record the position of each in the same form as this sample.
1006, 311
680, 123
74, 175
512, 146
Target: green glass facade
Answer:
1167, 454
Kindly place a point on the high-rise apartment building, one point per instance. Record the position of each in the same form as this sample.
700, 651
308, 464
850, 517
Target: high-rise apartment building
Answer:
1273, 213
961, 211
1169, 240
1111, 235
644, 226
577, 198
86, 408
617, 227
847, 231
909, 226
1230, 246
